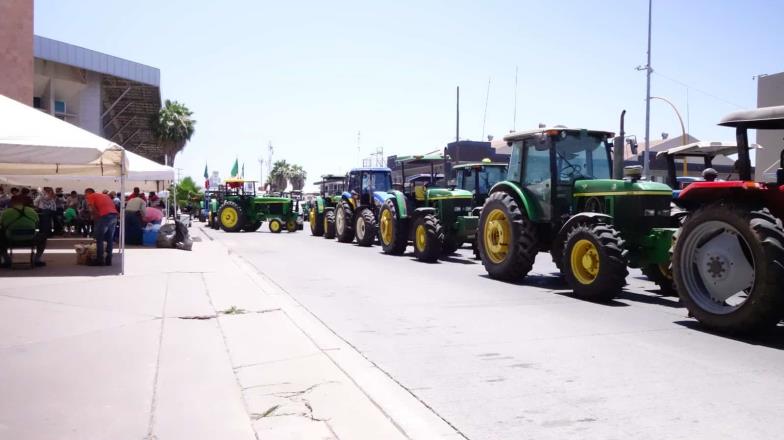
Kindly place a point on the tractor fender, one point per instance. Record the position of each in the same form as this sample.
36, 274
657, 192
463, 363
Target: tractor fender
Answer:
347, 196
583, 217
399, 199
512, 189
320, 205
424, 211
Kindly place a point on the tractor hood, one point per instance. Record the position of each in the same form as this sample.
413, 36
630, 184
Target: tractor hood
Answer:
610, 187
443, 193
273, 199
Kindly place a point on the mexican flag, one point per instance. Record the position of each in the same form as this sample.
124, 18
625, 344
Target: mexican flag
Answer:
235, 170
206, 174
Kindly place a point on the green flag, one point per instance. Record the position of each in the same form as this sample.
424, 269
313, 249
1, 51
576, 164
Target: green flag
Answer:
206, 174
235, 170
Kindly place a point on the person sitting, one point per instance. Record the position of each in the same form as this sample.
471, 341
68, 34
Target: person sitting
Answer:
709, 174
22, 219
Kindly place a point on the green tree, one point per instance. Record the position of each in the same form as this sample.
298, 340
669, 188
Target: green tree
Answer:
173, 127
279, 176
297, 177
187, 190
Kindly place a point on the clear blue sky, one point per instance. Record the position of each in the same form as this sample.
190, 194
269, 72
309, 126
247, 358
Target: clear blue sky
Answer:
308, 75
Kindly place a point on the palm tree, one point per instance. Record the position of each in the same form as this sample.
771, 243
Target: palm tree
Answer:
279, 176
187, 189
173, 126
297, 177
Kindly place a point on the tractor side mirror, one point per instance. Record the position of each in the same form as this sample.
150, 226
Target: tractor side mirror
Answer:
632, 145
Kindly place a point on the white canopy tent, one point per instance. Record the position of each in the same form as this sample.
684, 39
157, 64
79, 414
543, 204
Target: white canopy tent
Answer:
33, 143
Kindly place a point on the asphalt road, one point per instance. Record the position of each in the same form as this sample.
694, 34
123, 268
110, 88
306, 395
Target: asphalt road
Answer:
517, 361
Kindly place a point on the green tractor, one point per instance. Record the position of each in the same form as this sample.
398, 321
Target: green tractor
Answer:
236, 207
436, 219
321, 211
356, 213
559, 198
478, 178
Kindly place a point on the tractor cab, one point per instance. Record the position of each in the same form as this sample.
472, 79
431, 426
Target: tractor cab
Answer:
705, 152
479, 177
321, 209
363, 183
238, 187
331, 185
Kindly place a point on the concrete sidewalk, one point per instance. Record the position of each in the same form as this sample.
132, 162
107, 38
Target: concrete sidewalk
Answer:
186, 345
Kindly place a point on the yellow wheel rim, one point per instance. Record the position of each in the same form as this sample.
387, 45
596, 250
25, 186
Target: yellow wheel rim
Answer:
326, 223
274, 226
312, 218
421, 238
585, 261
386, 227
229, 217
497, 235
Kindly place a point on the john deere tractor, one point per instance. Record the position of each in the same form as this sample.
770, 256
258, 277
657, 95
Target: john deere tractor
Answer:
242, 210
321, 211
558, 198
728, 258
478, 178
437, 220
356, 213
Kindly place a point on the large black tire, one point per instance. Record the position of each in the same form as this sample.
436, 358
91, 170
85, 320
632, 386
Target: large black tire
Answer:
365, 227
661, 274
329, 223
602, 245
761, 238
252, 226
521, 245
344, 222
316, 221
275, 226
292, 226
396, 239
233, 211
428, 238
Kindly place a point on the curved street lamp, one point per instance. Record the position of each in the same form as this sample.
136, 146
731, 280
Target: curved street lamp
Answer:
683, 131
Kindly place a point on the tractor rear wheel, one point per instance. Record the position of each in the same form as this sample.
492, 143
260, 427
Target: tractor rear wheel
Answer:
275, 226
252, 226
728, 266
661, 274
428, 238
316, 221
506, 238
392, 231
344, 220
231, 217
594, 261
365, 227
329, 223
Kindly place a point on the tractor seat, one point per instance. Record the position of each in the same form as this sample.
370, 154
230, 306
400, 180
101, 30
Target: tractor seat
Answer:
419, 192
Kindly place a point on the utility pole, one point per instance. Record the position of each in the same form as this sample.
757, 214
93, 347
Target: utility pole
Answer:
457, 124
514, 115
484, 119
261, 172
645, 160
269, 159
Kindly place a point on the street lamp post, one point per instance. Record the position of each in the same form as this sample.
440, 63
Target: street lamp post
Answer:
648, 70
684, 139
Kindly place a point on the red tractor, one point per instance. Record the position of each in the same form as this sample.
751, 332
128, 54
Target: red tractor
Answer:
728, 257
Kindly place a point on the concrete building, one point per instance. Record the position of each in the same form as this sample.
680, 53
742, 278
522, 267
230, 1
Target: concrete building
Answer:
106, 95
770, 92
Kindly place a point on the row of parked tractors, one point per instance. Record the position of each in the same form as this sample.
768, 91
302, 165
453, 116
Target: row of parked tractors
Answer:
718, 245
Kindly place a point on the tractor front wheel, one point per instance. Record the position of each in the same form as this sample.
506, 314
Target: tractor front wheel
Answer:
365, 227
392, 232
428, 238
252, 227
506, 238
343, 222
316, 221
661, 274
329, 224
594, 262
727, 265
275, 226
231, 217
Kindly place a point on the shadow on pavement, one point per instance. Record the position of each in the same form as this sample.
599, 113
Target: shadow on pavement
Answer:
654, 298
773, 338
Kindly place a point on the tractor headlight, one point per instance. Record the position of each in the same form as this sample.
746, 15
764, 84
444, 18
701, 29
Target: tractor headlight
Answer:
665, 213
649, 212
458, 209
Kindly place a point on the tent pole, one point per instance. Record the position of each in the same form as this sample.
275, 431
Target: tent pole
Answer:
122, 214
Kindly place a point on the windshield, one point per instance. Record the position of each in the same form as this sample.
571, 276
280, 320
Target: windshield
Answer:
581, 156
488, 176
381, 181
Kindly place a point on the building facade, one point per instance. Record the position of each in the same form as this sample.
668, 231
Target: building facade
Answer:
770, 92
106, 95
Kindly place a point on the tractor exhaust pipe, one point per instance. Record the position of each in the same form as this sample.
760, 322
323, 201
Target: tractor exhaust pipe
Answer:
618, 147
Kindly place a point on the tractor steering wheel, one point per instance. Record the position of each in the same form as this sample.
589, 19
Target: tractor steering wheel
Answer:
569, 171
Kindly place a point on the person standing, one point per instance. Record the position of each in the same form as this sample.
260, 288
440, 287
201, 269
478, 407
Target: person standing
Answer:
135, 206
46, 205
105, 216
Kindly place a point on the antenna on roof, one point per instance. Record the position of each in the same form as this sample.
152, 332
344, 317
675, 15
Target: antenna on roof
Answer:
484, 119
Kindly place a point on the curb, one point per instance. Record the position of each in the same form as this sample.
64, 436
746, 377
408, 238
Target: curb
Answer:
410, 415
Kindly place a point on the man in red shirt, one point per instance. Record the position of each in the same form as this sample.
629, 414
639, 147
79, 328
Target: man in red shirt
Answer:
105, 216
